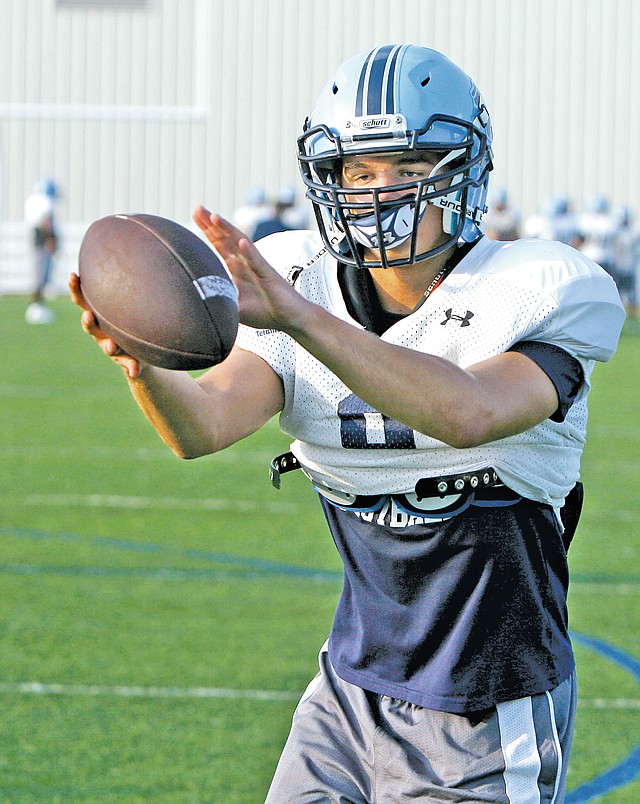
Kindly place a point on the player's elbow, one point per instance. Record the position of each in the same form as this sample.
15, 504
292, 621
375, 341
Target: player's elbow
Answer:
472, 430
184, 455
466, 438
487, 425
187, 451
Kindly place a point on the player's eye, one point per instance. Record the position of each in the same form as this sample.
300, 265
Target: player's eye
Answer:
352, 178
413, 173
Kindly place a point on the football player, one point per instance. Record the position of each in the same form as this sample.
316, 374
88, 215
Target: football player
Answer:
434, 383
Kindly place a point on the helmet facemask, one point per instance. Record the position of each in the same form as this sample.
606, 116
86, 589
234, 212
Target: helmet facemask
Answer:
380, 219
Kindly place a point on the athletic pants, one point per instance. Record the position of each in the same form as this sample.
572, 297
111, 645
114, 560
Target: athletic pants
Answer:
351, 746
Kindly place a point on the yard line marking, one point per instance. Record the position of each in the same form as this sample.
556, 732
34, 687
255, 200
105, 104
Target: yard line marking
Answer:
137, 691
17, 391
97, 690
126, 453
622, 588
123, 501
625, 431
245, 566
213, 504
590, 583
610, 703
625, 515
241, 568
628, 769
241, 571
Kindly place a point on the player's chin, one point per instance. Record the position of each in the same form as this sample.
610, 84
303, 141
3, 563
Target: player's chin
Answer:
402, 252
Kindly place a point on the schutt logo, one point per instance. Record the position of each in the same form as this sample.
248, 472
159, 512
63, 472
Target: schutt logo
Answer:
375, 122
463, 319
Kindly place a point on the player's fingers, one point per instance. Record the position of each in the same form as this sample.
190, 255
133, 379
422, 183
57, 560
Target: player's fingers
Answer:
108, 345
75, 291
239, 253
252, 257
89, 322
118, 355
130, 365
225, 227
212, 224
111, 348
201, 216
219, 231
90, 325
245, 269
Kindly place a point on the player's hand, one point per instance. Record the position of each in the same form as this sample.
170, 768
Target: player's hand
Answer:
131, 366
266, 300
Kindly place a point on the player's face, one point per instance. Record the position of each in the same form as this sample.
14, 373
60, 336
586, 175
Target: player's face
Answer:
393, 170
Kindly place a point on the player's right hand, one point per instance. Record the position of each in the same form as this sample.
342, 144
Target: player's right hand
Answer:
266, 300
131, 366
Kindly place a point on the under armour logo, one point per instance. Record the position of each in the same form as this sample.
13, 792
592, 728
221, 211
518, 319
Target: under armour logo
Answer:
464, 320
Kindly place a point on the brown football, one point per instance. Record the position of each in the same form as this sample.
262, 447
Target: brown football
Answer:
159, 291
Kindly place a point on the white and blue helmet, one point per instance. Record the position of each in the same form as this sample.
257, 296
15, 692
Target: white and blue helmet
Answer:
393, 99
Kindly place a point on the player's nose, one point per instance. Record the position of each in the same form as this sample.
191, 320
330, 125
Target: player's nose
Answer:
396, 191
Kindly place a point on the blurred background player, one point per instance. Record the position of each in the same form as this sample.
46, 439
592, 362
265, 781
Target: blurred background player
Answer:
294, 215
501, 221
39, 212
277, 221
434, 382
286, 215
554, 221
599, 229
255, 210
627, 262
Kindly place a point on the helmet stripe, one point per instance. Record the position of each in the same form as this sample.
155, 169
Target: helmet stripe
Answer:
390, 81
361, 84
376, 82
377, 74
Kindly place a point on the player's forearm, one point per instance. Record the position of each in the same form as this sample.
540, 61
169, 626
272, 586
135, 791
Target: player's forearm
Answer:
431, 395
200, 416
178, 409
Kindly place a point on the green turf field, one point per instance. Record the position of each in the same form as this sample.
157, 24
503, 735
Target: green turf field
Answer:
159, 618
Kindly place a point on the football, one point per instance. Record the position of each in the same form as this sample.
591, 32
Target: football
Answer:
159, 291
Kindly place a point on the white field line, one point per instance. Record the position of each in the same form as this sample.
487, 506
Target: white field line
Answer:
102, 690
126, 453
207, 504
138, 502
622, 589
610, 703
628, 431
622, 514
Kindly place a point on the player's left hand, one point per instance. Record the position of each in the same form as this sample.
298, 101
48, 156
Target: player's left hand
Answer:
131, 366
266, 300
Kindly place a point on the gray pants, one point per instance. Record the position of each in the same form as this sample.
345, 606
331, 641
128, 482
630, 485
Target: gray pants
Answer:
347, 745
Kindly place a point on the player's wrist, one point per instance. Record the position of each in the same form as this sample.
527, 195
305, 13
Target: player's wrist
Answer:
305, 320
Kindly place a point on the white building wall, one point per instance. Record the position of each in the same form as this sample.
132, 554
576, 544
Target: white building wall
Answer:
157, 105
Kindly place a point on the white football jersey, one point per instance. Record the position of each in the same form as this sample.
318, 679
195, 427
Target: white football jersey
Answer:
499, 294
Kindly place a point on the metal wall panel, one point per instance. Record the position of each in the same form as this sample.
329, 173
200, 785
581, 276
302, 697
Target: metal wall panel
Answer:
160, 105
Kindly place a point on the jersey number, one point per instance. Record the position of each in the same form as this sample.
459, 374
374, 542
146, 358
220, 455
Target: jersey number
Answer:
363, 427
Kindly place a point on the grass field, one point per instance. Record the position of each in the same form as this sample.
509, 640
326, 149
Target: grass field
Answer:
159, 618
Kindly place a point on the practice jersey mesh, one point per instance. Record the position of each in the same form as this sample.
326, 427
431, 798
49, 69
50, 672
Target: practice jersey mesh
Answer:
498, 295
